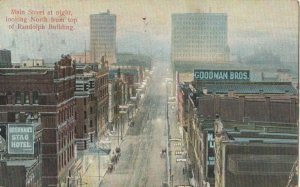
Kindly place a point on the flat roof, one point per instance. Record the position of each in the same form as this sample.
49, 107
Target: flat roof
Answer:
248, 88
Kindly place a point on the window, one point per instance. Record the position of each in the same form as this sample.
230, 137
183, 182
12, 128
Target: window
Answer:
18, 98
91, 123
35, 97
26, 98
84, 101
91, 110
3, 100
84, 128
85, 115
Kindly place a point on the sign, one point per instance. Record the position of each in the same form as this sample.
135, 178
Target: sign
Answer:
183, 186
180, 159
177, 144
174, 139
179, 152
210, 153
20, 139
222, 75
123, 106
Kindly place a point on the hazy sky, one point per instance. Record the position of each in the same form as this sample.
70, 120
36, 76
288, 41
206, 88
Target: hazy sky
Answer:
251, 23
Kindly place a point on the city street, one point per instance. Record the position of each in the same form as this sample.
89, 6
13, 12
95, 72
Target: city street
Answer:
141, 163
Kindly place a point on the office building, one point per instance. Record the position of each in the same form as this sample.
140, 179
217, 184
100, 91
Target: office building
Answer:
199, 38
103, 37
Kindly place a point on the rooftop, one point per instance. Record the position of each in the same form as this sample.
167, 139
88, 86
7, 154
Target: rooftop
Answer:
247, 87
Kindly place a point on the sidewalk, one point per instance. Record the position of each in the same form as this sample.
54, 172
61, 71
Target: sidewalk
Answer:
177, 153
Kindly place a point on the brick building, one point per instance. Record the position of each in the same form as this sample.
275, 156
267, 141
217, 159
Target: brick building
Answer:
18, 168
101, 94
238, 102
260, 156
49, 93
86, 106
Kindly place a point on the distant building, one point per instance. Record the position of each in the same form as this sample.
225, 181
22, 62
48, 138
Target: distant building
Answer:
82, 57
103, 37
31, 63
5, 58
199, 38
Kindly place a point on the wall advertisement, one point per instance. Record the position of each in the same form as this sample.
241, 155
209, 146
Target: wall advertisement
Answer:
20, 139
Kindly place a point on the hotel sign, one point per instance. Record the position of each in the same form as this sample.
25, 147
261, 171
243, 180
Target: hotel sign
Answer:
20, 139
221, 75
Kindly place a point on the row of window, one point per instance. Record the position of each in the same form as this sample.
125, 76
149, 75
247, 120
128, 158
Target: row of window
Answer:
20, 98
65, 114
65, 157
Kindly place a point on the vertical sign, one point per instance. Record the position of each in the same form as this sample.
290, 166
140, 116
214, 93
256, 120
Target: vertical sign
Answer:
210, 153
20, 139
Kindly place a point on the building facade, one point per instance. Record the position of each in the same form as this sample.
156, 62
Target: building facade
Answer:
261, 156
256, 105
199, 38
102, 99
5, 58
86, 106
91, 104
18, 167
103, 37
48, 93
31, 63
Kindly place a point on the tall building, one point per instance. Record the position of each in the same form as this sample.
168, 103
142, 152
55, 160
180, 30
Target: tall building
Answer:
5, 58
103, 37
199, 38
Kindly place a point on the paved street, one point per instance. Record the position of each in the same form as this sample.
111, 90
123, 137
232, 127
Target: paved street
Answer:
140, 163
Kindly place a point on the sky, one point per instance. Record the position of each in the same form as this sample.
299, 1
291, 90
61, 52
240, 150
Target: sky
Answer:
252, 25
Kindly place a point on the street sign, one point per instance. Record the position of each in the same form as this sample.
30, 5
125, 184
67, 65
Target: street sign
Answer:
20, 139
180, 159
